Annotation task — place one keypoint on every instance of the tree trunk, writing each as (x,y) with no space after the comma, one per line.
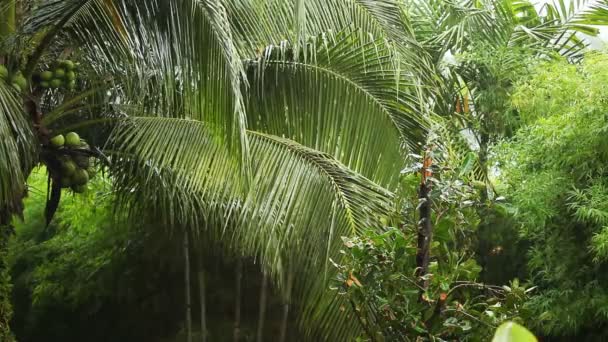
(425,227)
(237,307)
(202,296)
(187,288)
(262,307)
(285,320)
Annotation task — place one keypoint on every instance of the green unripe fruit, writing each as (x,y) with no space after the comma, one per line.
(56,83)
(72,139)
(20,80)
(72,85)
(70,75)
(384,221)
(3,72)
(79,189)
(58,140)
(80,177)
(68,167)
(45,84)
(68,65)
(46,75)
(59,73)
(16,87)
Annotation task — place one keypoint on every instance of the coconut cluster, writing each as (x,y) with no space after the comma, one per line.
(62,75)
(16,79)
(75,167)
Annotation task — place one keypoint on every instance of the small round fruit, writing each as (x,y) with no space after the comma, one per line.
(46,75)
(20,80)
(79,188)
(56,83)
(80,177)
(70,75)
(16,87)
(68,167)
(58,140)
(72,139)
(72,85)
(59,73)
(45,84)
(3,72)
(68,65)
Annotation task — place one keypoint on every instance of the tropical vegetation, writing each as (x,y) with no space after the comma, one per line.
(389,170)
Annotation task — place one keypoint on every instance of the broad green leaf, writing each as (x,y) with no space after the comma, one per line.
(513,332)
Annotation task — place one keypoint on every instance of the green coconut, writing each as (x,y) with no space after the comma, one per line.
(72,139)
(68,167)
(79,189)
(56,83)
(20,80)
(59,73)
(72,85)
(80,177)
(70,75)
(46,75)
(58,140)
(68,65)
(3,72)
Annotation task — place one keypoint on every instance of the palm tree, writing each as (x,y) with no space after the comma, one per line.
(277,126)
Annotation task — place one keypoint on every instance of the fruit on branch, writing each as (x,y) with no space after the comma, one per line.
(72,139)
(58,140)
(80,177)
(68,167)
(70,75)
(56,83)
(59,73)
(68,65)
(46,75)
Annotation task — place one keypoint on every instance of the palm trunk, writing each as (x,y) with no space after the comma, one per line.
(262,312)
(187,288)
(237,307)
(285,320)
(202,296)
(425,227)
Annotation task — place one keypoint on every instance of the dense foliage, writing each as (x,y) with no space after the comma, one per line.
(368,165)
(553,172)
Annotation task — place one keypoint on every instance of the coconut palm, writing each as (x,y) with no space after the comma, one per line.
(276,126)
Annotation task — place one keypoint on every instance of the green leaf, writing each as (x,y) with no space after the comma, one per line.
(513,332)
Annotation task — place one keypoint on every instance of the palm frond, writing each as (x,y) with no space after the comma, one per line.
(300,201)
(357,104)
(17,150)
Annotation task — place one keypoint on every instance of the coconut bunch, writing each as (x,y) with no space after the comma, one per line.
(62,75)
(16,79)
(71,165)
